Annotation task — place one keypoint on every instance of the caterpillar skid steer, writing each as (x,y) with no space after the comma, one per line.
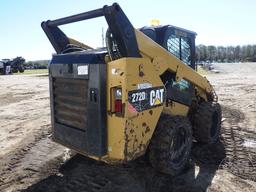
(138,95)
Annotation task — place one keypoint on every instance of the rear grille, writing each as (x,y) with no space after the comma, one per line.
(70,102)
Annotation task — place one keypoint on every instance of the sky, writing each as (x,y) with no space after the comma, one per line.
(217,22)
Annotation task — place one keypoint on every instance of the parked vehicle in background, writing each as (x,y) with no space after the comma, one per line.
(9,66)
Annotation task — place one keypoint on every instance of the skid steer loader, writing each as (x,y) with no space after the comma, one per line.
(138,95)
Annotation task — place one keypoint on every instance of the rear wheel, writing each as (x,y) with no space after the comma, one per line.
(207,123)
(170,146)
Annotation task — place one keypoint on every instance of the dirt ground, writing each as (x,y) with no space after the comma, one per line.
(30,161)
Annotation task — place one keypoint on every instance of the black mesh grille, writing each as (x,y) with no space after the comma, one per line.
(70,102)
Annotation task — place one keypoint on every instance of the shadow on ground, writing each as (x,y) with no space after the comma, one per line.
(83,174)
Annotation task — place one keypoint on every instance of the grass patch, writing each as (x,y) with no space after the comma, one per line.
(33,71)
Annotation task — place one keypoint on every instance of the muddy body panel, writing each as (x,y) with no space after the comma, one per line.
(143,98)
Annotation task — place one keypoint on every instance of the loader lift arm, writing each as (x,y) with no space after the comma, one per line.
(118,23)
(163,60)
(131,43)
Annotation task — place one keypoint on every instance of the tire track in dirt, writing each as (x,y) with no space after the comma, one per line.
(83,174)
(29,159)
(30,173)
(230,153)
(240,160)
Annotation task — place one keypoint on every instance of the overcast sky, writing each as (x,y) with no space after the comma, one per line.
(217,22)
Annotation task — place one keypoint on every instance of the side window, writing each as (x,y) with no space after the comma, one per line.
(180,48)
(173,45)
(185,51)
(182,85)
(177,91)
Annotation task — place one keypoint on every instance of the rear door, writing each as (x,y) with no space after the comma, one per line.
(78,103)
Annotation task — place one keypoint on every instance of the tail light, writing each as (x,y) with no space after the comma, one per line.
(117,106)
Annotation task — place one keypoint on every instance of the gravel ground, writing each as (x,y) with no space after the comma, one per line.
(30,161)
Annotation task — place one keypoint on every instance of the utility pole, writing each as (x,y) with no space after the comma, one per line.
(102,36)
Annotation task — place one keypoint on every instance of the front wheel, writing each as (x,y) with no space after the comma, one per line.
(207,122)
(170,147)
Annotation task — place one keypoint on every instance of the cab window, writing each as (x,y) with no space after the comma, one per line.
(180,48)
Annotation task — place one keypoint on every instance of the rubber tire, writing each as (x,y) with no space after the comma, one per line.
(161,149)
(21,70)
(14,70)
(207,123)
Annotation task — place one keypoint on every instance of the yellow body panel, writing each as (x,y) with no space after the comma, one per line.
(129,135)
(176,109)
(75,42)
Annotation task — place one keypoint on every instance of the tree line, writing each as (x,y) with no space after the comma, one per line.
(246,53)
(39,64)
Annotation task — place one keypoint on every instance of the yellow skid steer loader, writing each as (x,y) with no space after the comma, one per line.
(138,94)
